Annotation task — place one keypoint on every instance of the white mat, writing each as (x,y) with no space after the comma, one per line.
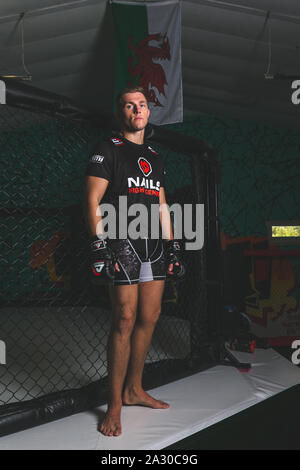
(196,402)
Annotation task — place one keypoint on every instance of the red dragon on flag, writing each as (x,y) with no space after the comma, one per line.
(150,74)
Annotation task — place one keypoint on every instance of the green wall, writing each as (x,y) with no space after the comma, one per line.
(260,182)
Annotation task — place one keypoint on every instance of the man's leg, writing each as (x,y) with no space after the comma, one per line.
(124,301)
(149,307)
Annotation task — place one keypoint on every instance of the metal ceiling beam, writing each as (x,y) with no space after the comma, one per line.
(245,9)
(212,3)
(50,9)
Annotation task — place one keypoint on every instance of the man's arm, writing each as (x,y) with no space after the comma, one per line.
(165,222)
(94,191)
(164,216)
(95,188)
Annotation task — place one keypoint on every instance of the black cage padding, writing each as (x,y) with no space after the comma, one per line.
(206,264)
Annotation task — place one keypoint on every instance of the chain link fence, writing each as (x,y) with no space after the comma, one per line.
(54,323)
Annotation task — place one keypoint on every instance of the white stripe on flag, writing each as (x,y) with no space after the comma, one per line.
(165,18)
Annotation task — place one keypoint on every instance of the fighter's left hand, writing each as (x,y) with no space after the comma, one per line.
(170,268)
(176,266)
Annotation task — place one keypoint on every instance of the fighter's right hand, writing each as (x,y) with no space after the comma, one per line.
(102,262)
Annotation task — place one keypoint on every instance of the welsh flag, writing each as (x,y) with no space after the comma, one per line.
(148,54)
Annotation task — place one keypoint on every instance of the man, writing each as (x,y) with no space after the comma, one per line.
(128,166)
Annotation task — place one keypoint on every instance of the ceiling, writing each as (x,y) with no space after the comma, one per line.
(227,47)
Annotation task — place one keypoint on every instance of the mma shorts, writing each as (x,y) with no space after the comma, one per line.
(139,260)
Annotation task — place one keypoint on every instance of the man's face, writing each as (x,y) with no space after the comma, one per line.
(135,112)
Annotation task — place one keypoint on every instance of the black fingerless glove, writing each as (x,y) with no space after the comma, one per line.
(102,262)
(174,254)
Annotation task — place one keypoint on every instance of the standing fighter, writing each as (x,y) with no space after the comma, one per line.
(136,268)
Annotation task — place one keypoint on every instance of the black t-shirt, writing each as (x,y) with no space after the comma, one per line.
(135,171)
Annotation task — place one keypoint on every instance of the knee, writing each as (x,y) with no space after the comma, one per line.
(125,319)
(149,318)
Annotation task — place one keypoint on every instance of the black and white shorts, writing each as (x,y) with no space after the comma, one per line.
(139,260)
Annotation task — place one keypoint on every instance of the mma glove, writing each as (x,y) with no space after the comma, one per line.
(102,261)
(174,254)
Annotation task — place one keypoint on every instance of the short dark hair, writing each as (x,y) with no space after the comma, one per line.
(120,101)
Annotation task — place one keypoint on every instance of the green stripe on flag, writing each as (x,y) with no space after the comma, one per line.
(129,20)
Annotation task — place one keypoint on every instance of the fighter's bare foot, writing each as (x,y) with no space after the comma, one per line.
(142,398)
(111,425)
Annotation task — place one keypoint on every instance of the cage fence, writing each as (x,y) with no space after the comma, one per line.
(54,322)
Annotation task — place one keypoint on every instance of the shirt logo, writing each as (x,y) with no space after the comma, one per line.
(97,158)
(117,141)
(152,150)
(144,166)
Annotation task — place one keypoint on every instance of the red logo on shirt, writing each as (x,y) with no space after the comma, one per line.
(145,166)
